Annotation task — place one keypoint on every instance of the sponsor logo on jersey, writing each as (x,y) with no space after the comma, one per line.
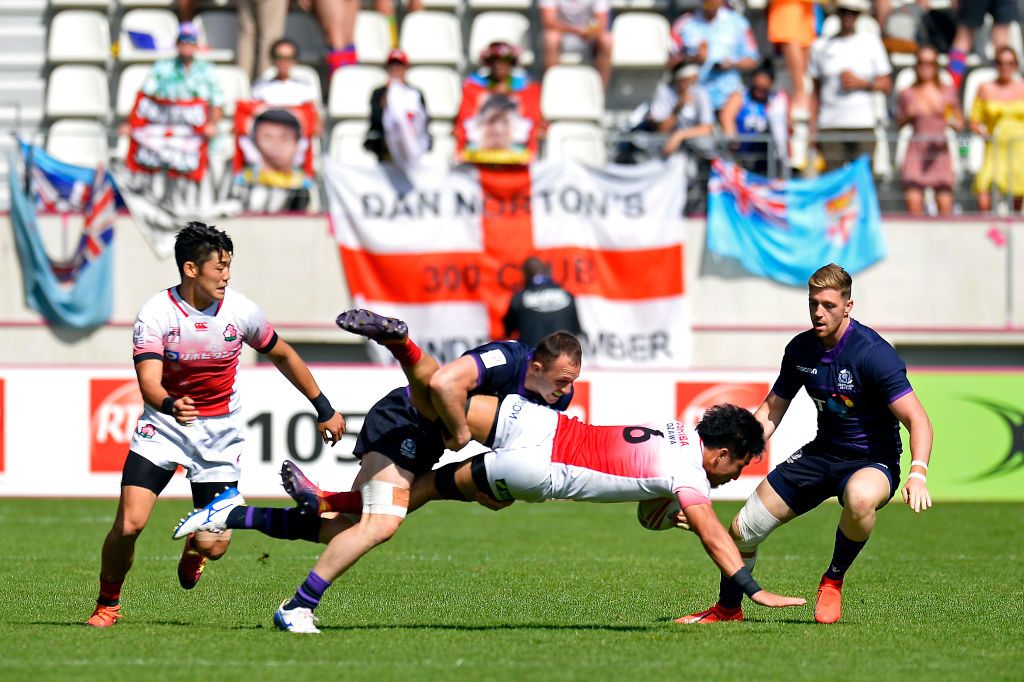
(139,336)
(174,335)
(546,300)
(171,355)
(839,404)
(517,407)
(807,370)
(694,398)
(202,326)
(230,333)
(501,490)
(493,358)
(408,448)
(147,431)
(845,380)
(114,409)
(795,456)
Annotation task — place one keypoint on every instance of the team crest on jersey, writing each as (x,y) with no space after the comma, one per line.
(230,333)
(174,335)
(408,448)
(147,431)
(845,380)
(202,326)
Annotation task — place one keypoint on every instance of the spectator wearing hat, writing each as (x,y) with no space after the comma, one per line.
(720,42)
(398,116)
(186,76)
(848,69)
(578,26)
(500,74)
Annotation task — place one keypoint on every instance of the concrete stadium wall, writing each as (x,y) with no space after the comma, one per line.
(955,282)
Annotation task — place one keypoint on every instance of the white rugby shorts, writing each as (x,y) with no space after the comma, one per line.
(209,449)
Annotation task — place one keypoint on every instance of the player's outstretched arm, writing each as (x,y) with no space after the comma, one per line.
(911,414)
(330,423)
(770,413)
(449,388)
(722,550)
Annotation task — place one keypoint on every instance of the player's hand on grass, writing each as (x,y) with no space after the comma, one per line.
(184,411)
(682,521)
(332,429)
(492,504)
(766,598)
(915,493)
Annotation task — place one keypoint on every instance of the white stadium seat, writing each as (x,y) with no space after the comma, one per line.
(78,4)
(346,145)
(79,36)
(218,33)
(147,3)
(77,90)
(572,93)
(351,87)
(80,143)
(160,23)
(432,38)
(510,27)
(481,5)
(234,83)
(446,5)
(373,37)
(582,142)
(442,151)
(441,88)
(640,40)
(128,85)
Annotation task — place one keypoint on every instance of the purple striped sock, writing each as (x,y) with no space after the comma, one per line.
(310,592)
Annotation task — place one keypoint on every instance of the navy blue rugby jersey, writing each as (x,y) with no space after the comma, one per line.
(502,369)
(852,386)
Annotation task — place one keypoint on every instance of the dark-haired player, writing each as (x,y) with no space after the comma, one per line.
(186,344)
(859,385)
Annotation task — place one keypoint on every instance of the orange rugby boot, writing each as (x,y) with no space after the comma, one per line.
(104,616)
(829,606)
(715,614)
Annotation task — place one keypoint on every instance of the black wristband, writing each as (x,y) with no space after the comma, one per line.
(745,581)
(167,406)
(324,411)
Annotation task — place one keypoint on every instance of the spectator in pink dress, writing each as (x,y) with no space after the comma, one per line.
(928,106)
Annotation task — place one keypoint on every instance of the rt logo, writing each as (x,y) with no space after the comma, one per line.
(114,409)
(1014,458)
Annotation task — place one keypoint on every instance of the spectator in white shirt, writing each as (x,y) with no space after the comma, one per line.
(848,69)
(286,88)
(577,26)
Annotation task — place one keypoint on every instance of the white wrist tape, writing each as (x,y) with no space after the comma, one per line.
(919,463)
(915,474)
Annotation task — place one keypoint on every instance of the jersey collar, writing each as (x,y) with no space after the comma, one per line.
(831,353)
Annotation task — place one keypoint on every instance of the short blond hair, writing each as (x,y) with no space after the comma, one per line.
(832,276)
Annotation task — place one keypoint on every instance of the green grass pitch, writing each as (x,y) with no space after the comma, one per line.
(535,592)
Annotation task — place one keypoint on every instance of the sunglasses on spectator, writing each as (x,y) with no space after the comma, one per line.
(284,57)
(1006,62)
(926,62)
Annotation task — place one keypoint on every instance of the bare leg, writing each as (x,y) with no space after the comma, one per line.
(603,57)
(944,201)
(985,201)
(552,48)
(133,511)
(914,200)
(796,63)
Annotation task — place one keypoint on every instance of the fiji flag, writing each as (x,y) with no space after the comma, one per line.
(58,186)
(78,292)
(785,230)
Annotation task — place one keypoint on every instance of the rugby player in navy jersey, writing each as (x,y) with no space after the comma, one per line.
(859,386)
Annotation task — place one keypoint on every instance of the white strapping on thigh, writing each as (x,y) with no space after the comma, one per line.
(379,498)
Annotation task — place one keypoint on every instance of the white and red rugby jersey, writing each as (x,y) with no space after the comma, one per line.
(626,463)
(200,348)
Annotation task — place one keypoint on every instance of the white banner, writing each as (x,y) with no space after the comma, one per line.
(82,455)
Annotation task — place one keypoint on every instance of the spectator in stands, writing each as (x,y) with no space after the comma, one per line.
(260,24)
(338,20)
(577,26)
(499,75)
(720,41)
(848,69)
(684,112)
(928,107)
(791,27)
(998,115)
(285,88)
(970,17)
(398,117)
(186,77)
(541,307)
(764,113)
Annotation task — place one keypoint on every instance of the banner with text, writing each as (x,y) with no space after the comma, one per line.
(443,250)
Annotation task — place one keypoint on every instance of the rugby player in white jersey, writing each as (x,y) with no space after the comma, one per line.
(186,345)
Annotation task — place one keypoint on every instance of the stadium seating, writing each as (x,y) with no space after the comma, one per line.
(430,37)
(510,27)
(234,83)
(640,48)
(441,88)
(302,28)
(82,143)
(128,85)
(347,143)
(572,93)
(79,36)
(865,24)
(482,5)
(80,4)
(159,23)
(76,90)
(351,87)
(581,141)
(220,31)
(373,37)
